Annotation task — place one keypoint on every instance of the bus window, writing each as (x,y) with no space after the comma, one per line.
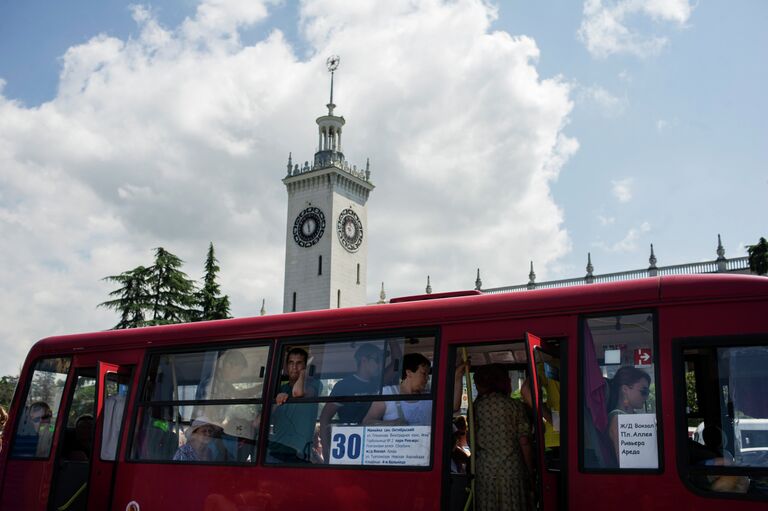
(34,432)
(727,418)
(335,398)
(202,406)
(619,393)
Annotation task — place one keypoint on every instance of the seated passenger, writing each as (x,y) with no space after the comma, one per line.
(292,425)
(460,453)
(35,432)
(364,382)
(200,435)
(80,449)
(630,388)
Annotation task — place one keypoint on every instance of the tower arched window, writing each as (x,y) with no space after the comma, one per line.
(358,273)
(293,309)
(338,298)
(319,265)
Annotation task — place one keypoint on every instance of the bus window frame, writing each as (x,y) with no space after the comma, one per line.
(580,401)
(679,344)
(320,338)
(25,386)
(195,347)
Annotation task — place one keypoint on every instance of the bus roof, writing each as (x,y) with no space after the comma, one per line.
(583,299)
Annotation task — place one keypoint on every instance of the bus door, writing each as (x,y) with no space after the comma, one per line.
(82,477)
(115,382)
(544,370)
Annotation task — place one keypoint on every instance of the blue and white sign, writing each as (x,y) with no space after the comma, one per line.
(380,445)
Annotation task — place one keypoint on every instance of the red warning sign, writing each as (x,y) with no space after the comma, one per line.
(643,357)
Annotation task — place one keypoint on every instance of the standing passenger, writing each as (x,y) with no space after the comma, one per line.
(293,424)
(503,447)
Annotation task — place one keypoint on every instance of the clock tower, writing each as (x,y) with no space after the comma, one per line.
(326,247)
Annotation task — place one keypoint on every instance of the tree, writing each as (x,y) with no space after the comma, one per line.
(132,298)
(172,292)
(7,388)
(758,257)
(210,304)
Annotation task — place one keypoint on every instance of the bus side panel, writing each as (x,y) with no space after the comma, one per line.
(665,490)
(30,482)
(264,489)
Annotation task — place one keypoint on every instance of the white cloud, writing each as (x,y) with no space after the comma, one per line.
(180,135)
(606,103)
(629,243)
(622,189)
(606,220)
(608,27)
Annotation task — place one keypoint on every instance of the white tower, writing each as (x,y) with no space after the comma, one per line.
(326,246)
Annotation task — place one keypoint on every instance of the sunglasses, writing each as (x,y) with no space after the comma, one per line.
(47,417)
(644,392)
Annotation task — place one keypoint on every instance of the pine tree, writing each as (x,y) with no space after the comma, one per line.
(172,292)
(210,304)
(132,298)
(758,257)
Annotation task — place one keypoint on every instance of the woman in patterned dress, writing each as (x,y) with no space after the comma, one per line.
(503,444)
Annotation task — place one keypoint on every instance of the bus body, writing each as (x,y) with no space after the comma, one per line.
(118,406)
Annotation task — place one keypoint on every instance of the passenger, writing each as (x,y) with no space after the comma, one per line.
(629,390)
(201,434)
(366,381)
(460,453)
(720,457)
(503,454)
(35,434)
(229,368)
(293,424)
(414,381)
(81,448)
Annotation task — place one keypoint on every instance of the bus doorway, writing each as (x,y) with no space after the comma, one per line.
(533,439)
(84,465)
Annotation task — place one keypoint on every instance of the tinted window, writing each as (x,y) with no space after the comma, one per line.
(202,406)
(343,403)
(34,432)
(619,393)
(726,417)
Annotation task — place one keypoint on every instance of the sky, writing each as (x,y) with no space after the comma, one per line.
(499,133)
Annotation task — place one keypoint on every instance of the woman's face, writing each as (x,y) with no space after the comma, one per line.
(637,393)
(418,379)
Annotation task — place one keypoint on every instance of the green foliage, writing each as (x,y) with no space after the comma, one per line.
(691,398)
(210,304)
(132,299)
(7,388)
(173,293)
(162,294)
(758,257)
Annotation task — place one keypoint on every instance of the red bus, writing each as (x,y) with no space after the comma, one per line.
(646,394)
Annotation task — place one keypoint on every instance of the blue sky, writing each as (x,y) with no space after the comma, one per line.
(499,133)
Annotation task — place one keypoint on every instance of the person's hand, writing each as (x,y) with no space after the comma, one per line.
(462,368)
(281,398)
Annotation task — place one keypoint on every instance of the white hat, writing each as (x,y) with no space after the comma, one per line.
(201,421)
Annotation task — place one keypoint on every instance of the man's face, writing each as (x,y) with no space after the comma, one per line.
(232,372)
(370,366)
(40,417)
(294,366)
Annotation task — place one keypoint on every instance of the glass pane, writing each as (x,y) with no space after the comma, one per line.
(729,422)
(619,393)
(356,373)
(115,393)
(215,374)
(77,440)
(35,430)
(548,374)
(163,433)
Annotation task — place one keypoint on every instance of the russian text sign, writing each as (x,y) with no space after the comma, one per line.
(638,445)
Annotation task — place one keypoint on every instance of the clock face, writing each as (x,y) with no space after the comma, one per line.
(350,230)
(309,227)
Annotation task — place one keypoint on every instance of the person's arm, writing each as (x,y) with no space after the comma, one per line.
(613,432)
(375,413)
(457,386)
(527,451)
(391,374)
(329,410)
(299,389)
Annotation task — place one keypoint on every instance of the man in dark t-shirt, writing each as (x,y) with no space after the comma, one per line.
(366,381)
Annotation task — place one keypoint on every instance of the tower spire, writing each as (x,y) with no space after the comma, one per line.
(333,64)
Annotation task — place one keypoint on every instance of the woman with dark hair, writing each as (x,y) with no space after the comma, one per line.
(502,435)
(414,381)
(629,389)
